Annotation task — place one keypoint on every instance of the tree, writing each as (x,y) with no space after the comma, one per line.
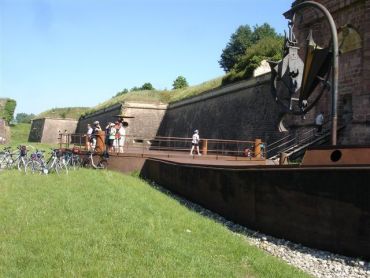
(241,40)
(236,47)
(180,82)
(24,118)
(8,112)
(134,89)
(267,48)
(147,86)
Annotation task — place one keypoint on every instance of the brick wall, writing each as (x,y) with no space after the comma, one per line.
(354,65)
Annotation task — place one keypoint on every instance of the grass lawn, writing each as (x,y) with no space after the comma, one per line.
(105,224)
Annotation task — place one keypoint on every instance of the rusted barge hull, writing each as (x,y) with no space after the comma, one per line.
(322,207)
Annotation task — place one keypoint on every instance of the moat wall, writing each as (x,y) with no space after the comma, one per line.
(320,207)
(241,111)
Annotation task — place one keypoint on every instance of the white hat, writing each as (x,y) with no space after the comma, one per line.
(196,131)
(96,122)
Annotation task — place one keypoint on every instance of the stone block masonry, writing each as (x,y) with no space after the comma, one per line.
(241,111)
(47,130)
(143,118)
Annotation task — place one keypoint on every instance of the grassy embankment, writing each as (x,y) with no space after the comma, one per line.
(164,96)
(105,224)
(67,113)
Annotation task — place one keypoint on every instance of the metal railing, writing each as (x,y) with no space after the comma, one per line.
(292,142)
(215,147)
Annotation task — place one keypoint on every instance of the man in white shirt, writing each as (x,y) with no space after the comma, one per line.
(121,141)
(195,142)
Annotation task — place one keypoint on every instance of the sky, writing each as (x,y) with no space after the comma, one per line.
(68,53)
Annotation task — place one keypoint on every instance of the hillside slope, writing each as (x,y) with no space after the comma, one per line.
(64,113)
(165,96)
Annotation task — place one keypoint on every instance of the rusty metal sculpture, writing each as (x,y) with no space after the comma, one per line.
(296,83)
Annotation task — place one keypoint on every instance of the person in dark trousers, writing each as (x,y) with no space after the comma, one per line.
(195,142)
(94,134)
(319,121)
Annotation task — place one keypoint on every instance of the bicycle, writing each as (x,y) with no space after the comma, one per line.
(36,163)
(56,162)
(7,160)
(102,162)
(72,159)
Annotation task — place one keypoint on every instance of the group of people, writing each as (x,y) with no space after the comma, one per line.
(114,136)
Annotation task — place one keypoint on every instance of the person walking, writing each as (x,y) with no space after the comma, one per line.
(195,142)
(319,121)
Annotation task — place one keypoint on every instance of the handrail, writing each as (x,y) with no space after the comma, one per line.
(162,143)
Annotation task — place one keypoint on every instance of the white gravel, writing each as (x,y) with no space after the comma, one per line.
(312,261)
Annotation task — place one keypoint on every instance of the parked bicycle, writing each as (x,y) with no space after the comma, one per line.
(56,162)
(36,163)
(73,159)
(8,161)
(95,160)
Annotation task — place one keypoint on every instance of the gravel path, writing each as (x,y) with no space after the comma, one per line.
(315,262)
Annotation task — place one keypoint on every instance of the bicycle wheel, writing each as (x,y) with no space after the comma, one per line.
(33,167)
(22,163)
(61,167)
(76,162)
(2,161)
(102,164)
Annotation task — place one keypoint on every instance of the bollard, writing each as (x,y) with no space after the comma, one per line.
(257,148)
(204,147)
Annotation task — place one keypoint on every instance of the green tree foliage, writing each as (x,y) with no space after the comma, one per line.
(24,118)
(180,82)
(268,48)
(8,112)
(134,89)
(236,47)
(241,40)
(147,86)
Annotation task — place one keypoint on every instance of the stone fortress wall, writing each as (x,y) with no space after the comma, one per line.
(242,111)
(143,119)
(246,110)
(47,130)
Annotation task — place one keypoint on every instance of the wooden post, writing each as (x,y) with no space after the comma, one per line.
(257,148)
(87,142)
(204,147)
(100,142)
(283,158)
